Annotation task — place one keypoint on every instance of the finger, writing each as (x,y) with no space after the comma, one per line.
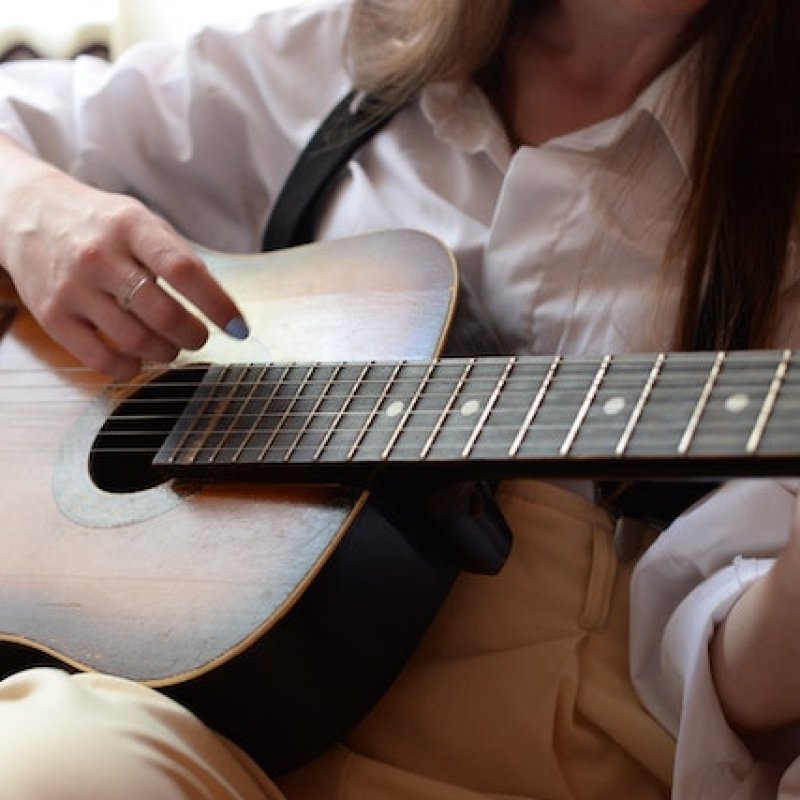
(129,334)
(89,347)
(162,314)
(170,257)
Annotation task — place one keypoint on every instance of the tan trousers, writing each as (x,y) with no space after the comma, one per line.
(519,690)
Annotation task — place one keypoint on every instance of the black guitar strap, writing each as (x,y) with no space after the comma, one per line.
(350,125)
(347,128)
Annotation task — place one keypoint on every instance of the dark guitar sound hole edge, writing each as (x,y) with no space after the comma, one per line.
(121,456)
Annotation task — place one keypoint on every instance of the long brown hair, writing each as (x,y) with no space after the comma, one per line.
(735,229)
(740,214)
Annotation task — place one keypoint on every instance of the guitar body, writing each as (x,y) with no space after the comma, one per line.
(278,613)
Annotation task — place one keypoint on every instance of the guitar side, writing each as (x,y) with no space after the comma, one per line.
(178,585)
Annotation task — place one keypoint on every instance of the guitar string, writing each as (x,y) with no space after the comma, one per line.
(677,379)
(563,389)
(667,431)
(565,386)
(678,361)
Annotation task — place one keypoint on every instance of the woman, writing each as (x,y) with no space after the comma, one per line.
(613,176)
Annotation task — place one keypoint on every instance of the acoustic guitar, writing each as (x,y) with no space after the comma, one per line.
(207,528)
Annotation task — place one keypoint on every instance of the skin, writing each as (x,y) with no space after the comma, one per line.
(591,58)
(70,249)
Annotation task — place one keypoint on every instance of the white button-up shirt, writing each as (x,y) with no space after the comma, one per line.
(563,243)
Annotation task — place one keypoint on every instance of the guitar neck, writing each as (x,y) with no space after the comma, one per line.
(668,415)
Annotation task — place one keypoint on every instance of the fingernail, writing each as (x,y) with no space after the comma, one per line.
(237,328)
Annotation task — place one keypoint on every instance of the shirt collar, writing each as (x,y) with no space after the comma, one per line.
(461,114)
(669,101)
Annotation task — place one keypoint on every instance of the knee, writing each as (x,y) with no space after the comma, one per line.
(61,738)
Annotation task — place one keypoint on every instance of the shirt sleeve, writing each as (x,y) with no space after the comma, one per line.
(684,585)
(204,131)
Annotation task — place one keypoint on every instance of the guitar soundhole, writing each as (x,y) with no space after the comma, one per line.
(121,457)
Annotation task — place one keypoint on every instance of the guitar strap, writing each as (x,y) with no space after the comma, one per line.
(480,540)
(352,122)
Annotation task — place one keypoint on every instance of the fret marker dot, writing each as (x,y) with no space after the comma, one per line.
(395,409)
(737,403)
(613,406)
(470,408)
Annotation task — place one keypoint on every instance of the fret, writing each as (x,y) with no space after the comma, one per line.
(373,415)
(694,421)
(189,434)
(558,409)
(394,433)
(445,412)
(613,392)
(283,426)
(584,409)
(672,400)
(313,413)
(738,395)
(538,400)
(636,414)
(769,403)
(492,402)
(218,437)
(340,413)
(237,430)
(467,404)
(360,390)
(410,406)
(243,452)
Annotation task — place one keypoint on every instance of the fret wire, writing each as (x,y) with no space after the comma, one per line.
(768,405)
(501,382)
(409,409)
(437,428)
(624,440)
(212,457)
(284,416)
(584,409)
(374,412)
(312,413)
(262,414)
(192,452)
(535,405)
(342,411)
(694,421)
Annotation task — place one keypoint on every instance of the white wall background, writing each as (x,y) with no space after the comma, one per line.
(61,27)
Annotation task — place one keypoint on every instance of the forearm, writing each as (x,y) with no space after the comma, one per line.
(755,652)
(22,175)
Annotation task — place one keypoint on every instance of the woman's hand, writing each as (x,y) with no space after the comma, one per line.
(85,262)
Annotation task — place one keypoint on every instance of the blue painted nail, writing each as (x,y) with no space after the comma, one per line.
(237,328)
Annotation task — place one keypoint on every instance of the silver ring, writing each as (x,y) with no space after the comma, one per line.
(133,283)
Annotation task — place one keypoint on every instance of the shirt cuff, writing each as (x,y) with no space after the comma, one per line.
(711,761)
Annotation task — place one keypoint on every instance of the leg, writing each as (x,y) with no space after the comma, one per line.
(93,736)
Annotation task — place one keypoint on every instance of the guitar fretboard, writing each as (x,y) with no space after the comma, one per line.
(624,416)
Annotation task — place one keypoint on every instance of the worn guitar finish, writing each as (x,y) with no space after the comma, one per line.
(107,566)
